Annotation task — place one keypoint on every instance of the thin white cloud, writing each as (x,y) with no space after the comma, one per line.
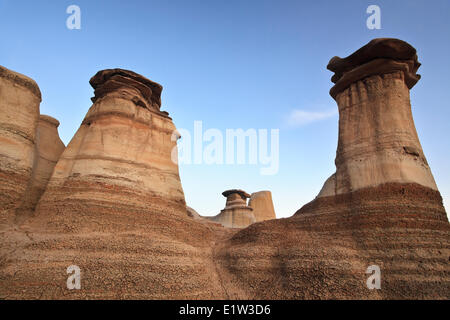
(301,117)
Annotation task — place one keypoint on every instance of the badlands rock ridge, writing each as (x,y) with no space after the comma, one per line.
(111,202)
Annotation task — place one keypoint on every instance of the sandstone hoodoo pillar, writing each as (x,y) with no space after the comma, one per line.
(378,142)
(236,213)
(262,205)
(19,112)
(119,161)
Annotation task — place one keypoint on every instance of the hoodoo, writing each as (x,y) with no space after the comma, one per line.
(19,113)
(119,161)
(381,208)
(262,205)
(115,208)
(236,214)
(378,142)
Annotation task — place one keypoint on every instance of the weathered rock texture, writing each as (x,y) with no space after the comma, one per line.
(262,205)
(378,142)
(236,214)
(120,158)
(381,207)
(114,207)
(48,148)
(19,113)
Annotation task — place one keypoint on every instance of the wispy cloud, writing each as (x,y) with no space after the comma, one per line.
(299,117)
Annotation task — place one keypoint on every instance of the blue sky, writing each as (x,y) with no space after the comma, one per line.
(233,64)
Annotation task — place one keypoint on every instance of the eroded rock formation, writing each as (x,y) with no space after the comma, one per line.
(378,142)
(262,205)
(381,207)
(114,205)
(48,149)
(236,214)
(120,158)
(19,114)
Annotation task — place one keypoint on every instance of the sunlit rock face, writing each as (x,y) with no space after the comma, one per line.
(236,214)
(48,149)
(120,159)
(19,113)
(262,205)
(378,142)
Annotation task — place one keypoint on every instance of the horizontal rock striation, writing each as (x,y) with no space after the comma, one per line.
(324,250)
(19,113)
(114,207)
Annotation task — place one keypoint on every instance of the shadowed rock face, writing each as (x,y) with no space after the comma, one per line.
(120,159)
(19,113)
(378,142)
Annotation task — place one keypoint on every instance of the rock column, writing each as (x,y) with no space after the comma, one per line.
(378,142)
(19,113)
(236,213)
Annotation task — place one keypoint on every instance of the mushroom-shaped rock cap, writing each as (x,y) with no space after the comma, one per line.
(108,80)
(379,56)
(242,193)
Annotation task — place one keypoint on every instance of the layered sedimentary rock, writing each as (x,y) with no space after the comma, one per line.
(134,240)
(19,113)
(120,159)
(262,205)
(48,149)
(236,214)
(381,207)
(378,142)
(114,207)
